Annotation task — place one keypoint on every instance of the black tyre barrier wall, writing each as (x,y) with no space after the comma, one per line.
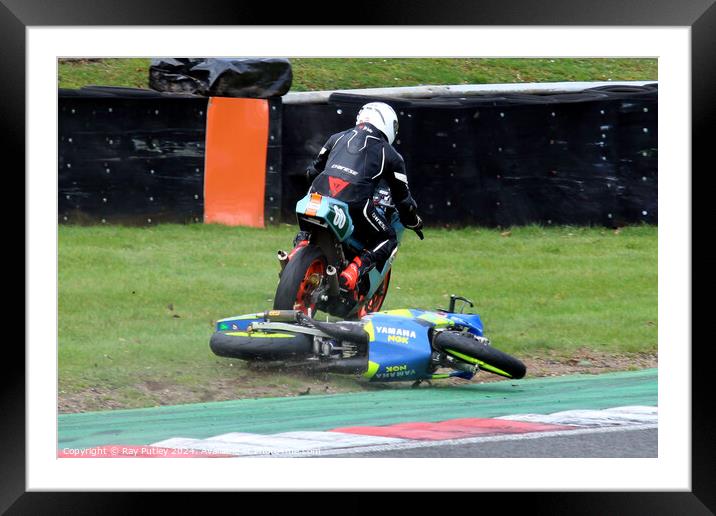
(130,156)
(579,158)
(137,156)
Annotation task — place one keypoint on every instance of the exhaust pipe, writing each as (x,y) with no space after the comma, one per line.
(355,365)
(280,315)
(282,259)
(344,330)
(332,280)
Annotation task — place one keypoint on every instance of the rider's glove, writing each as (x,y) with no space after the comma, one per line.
(417,227)
(311,173)
(408,211)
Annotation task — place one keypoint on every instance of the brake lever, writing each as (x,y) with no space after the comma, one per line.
(454,298)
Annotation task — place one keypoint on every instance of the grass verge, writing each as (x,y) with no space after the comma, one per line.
(137,305)
(341,73)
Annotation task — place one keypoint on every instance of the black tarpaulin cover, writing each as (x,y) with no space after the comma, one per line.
(212,77)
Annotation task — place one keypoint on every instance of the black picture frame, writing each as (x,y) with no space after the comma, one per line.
(699,15)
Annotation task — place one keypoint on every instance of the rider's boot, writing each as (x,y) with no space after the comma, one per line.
(351,275)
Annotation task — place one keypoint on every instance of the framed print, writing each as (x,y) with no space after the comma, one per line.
(34,36)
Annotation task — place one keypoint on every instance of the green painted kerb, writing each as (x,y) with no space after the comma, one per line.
(273,415)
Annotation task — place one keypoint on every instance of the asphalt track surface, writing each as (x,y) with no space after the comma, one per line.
(615,443)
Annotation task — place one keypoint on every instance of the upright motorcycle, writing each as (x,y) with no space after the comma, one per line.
(308,280)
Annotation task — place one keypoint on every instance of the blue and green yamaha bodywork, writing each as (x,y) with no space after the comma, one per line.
(399,341)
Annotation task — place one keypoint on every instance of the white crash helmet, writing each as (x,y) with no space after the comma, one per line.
(382,116)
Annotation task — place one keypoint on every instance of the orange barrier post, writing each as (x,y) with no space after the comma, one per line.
(235,161)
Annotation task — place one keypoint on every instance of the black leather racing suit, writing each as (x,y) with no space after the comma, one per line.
(349,167)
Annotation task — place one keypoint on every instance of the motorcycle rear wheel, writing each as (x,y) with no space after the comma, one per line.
(297,283)
(261,346)
(376,302)
(466,348)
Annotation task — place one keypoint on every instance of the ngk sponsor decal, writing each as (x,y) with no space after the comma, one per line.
(396,371)
(398,335)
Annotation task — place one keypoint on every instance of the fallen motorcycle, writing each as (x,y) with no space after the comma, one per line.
(394,345)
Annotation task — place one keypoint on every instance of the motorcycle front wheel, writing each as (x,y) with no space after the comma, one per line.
(464,347)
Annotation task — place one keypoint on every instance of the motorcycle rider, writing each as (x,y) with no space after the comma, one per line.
(349,167)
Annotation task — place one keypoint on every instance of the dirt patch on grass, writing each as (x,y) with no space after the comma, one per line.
(246,384)
(94,398)
(259,383)
(587,361)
